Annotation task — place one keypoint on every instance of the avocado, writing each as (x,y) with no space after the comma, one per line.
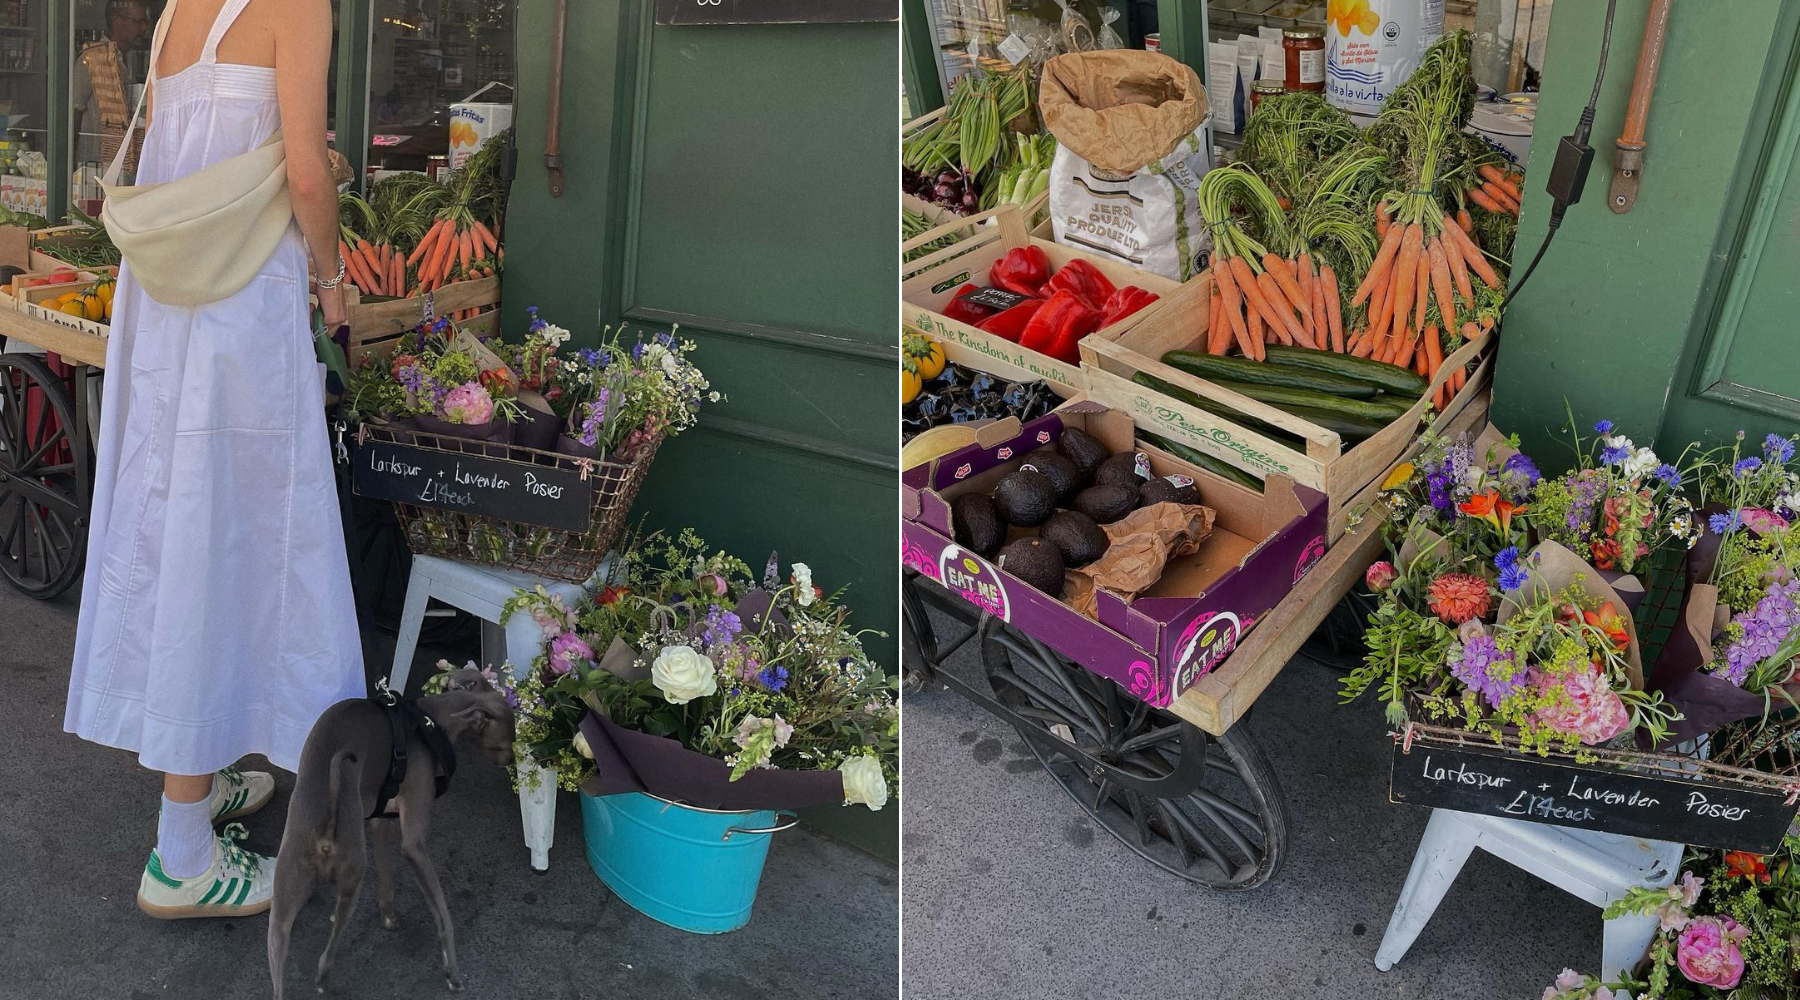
(1025,498)
(1080,539)
(1122,470)
(1082,449)
(977,524)
(1037,562)
(1064,477)
(1106,504)
(1168,489)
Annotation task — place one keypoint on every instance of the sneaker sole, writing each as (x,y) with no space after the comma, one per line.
(246,809)
(208,910)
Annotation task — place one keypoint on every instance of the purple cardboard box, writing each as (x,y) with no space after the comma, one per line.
(1160,644)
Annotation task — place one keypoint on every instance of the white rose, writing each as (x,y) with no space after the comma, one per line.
(554,335)
(581,745)
(671,364)
(682,674)
(864,783)
(803,585)
(1641,463)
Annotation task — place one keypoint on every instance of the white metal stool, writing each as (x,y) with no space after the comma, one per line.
(482,591)
(1597,867)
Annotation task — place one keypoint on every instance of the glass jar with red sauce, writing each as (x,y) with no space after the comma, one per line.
(1305,58)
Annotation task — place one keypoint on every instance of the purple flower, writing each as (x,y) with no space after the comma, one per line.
(1614,456)
(1512,575)
(774,678)
(1669,475)
(637,351)
(568,649)
(1725,524)
(589,356)
(666,339)
(1480,663)
(1440,492)
(1765,628)
(1747,464)
(721,626)
(1521,464)
(1778,449)
(1603,427)
(596,417)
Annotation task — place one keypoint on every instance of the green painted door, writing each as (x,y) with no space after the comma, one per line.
(737,181)
(1674,319)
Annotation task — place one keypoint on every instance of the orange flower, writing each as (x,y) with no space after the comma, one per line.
(1490,508)
(1606,553)
(1747,865)
(611,595)
(1608,620)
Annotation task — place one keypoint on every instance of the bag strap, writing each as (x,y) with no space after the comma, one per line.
(111,177)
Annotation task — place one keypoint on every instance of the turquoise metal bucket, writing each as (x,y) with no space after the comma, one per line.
(693,869)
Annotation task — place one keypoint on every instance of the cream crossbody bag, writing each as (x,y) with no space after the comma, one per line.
(203,237)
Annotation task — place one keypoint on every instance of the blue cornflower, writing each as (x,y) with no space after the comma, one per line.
(1524,466)
(637,351)
(1778,449)
(1725,524)
(1603,427)
(1614,456)
(1507,558)
(666,339)
(1749,464)
(774,678)
(1669,475)
(1513,578)
(589,356)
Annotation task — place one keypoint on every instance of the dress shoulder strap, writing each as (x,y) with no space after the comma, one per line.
(228,16)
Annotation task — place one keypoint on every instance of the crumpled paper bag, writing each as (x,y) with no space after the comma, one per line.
(1120,109)
(1143,542)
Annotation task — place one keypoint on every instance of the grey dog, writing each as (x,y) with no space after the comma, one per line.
(342,768)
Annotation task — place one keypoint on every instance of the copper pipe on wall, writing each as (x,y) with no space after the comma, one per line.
(553,127)
(1628,163)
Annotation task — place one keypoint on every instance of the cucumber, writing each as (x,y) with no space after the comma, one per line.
(1391,378)
(1354,430)
(1379,414)
(1213,368)
(1204,461)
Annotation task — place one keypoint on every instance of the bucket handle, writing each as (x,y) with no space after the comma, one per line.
(793,819)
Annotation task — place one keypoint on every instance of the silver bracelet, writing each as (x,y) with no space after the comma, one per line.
(333,282)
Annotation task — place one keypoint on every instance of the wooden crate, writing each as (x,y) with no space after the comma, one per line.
(1343,474)
(376,325)
(927,284)
(1222,697)
(44,243)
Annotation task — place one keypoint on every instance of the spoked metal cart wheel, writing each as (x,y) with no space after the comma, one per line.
(925,650)
(45,480)
(1206,809)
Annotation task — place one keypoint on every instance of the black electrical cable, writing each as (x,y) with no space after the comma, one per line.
(1573,159)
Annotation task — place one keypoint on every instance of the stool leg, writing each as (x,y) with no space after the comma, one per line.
(537,807)
(412,619)
(1442,851)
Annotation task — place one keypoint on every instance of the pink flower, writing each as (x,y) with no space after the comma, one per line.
(1761,521)
(468,403)
(568,649)
(712,583)
(1380,576)
(1586,706)
(1708,954)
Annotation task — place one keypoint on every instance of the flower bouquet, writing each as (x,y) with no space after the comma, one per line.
(683,678)
(1734,652)
(441,380)
(1485,623)
(1733,933)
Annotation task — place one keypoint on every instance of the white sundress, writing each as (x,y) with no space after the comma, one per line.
(216,614)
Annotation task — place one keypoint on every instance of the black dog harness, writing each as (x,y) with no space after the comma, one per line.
(405,718)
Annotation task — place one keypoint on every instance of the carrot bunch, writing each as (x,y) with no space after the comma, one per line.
(1273,301)
(453,246)
(1499,190)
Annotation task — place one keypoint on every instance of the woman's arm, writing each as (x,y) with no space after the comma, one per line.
(302,61)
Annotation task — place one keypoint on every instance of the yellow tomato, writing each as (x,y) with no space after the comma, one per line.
(909,382)
(924,352)
(75,308)
(91,304)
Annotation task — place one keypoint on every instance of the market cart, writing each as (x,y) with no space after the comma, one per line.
(1184,787)
(46,455)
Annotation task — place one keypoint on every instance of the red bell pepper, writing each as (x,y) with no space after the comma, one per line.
(966,312)
(1085,280)
(1058,327)
(1009,324)
(1124,302)
(1022,271)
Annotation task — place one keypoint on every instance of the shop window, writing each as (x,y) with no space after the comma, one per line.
(440,80)
(24,103)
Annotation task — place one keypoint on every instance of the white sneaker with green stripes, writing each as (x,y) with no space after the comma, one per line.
(238,884)
(237,794)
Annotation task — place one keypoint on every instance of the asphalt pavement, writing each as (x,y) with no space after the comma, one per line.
(77,821)
(1012,892)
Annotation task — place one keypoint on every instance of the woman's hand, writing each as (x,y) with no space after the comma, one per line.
(331,303)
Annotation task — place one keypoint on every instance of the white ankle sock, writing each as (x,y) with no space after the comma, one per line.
(184,837)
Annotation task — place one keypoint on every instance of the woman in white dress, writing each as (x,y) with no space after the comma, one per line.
(216,612)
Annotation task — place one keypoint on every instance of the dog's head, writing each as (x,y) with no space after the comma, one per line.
(481,717)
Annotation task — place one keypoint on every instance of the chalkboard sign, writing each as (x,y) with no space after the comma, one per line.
(1704,813)
(473,484)
(775,11)
(994,298)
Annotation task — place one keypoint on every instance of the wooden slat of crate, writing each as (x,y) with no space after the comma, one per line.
(1222,697)
(73,345)
(375,325)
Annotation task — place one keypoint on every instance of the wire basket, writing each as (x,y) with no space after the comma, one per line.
(555,553)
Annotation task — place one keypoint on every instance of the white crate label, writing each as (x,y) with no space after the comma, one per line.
(1214,440)
(949,283)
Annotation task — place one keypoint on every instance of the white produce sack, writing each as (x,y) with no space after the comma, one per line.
(1130,129)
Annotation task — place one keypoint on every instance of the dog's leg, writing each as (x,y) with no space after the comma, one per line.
(348,889)
(293,885)
(387,844)
(412,843)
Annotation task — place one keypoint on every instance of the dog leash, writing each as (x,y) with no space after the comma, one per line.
(405,718)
